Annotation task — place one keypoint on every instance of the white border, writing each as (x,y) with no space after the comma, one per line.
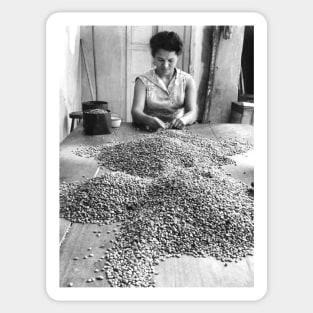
(54,24)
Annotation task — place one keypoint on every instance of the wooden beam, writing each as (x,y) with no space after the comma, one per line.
(87,70)
(215,41)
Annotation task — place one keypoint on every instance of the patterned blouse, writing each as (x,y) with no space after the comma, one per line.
(164,103)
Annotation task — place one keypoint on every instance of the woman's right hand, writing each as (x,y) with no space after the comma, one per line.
(155,123)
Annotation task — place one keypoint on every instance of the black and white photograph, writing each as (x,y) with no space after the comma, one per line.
(152,156)
(155,156)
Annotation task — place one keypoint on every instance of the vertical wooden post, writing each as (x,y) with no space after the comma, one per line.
(191,69)
(128,73)
(215,41)
(94,59)
(87,70)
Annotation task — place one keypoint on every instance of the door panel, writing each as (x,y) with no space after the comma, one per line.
(141,34)
(139,58)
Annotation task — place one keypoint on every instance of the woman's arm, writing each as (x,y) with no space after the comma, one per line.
(191,110)
(138,115)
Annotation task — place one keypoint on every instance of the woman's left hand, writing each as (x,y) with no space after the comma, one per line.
(177,123)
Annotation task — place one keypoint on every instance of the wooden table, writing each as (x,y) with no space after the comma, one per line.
(76,239)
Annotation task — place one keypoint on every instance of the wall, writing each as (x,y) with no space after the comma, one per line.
(70,78)
(109,79)
(227,70)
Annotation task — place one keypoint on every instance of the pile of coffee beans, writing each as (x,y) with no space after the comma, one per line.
(173,198)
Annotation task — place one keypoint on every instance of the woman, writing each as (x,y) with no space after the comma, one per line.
(165,97)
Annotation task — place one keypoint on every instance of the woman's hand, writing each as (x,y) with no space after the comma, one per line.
(177,123)
(155,123)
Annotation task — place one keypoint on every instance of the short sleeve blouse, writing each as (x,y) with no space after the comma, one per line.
(164,103)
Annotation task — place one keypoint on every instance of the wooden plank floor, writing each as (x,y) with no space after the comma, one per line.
(63,229)
(84,240)
(188,271)
(244,168)
(75,168)
(173,272)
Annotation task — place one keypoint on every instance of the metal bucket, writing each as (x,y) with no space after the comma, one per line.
(96,118)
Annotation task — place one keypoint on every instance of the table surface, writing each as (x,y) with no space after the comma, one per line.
(187,271)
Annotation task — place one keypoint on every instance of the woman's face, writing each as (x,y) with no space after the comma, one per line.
(165,61)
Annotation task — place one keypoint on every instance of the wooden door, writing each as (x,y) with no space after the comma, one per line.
(138,58)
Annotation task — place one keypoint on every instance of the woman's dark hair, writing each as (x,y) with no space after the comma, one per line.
(168,41)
